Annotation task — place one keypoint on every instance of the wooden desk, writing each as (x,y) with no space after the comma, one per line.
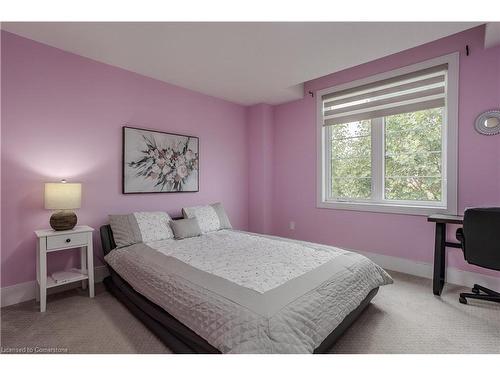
(440,246)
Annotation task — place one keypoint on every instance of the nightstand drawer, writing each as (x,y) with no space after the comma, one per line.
(67,240)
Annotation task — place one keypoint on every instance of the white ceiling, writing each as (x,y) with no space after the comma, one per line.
(492,35)
(246,63)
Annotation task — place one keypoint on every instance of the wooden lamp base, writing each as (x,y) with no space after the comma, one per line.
(63,220)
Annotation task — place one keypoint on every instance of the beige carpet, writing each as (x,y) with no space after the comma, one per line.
(403,318)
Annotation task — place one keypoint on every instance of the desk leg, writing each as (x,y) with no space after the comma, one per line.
(439,259)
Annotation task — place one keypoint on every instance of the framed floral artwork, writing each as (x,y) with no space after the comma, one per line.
(159,162)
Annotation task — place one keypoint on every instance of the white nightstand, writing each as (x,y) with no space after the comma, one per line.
(50,240)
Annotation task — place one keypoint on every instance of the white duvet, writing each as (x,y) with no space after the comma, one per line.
(247,293)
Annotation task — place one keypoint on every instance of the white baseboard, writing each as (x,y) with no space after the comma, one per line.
(13,294)
(10,295)
(453,275)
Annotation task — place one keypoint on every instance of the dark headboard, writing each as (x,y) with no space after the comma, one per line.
(107,239)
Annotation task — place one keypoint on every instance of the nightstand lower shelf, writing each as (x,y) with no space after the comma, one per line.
(77,275)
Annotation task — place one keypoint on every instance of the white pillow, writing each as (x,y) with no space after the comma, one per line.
(210,218)
(154,226)
(207,217)
(223,218)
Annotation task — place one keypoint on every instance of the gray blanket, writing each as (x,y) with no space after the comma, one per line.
(247,293)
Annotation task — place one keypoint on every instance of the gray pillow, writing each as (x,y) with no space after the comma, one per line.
(125,230)
(185,228)
(221,213)
(140,227)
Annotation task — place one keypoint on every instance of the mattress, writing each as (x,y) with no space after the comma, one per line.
(249,293)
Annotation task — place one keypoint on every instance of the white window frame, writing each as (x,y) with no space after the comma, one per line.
(449,149)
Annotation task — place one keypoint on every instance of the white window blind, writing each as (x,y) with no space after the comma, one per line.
(424,89)
(388,143)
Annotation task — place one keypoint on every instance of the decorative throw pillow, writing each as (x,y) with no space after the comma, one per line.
(154,226)
(208,220)
(185,228)
(221,213)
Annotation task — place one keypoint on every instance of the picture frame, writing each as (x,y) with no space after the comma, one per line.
(155,161)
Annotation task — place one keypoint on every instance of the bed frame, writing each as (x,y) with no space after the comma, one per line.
(175,335)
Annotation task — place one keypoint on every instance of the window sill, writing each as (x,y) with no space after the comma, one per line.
(386,208)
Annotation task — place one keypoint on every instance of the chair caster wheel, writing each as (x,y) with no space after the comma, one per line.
(475,290)
(462,300)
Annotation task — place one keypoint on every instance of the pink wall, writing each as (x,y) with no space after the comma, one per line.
(260,174)
(411,237)
(61,118)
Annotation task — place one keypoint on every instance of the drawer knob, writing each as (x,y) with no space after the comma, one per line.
(68,240)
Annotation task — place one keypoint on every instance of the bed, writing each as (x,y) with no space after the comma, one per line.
(237,292)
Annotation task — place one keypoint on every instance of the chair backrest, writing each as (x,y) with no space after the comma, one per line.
(482,237)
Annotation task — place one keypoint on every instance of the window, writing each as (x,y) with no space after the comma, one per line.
(388,143)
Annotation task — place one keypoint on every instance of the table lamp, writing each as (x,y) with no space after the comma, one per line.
(63,197)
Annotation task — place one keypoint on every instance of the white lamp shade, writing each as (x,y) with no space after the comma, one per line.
(62,196)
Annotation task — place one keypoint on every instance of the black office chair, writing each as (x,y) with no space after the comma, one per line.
(480,239)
